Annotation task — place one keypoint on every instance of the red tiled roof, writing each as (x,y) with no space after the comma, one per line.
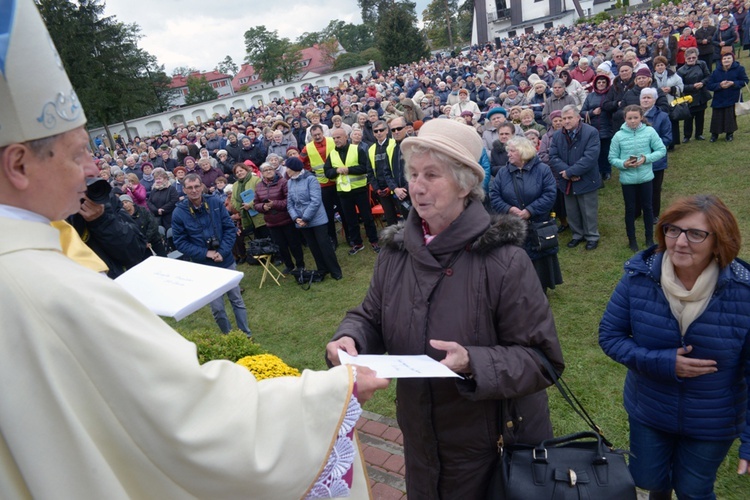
(246,71)
(211,76)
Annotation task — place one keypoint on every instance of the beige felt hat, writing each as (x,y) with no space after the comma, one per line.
(36,97)
(451,138)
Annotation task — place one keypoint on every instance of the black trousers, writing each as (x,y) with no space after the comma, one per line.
(351,201)
(642,192)
(391,209)
(699,116)
(331,203)
(287,238)
(321,248)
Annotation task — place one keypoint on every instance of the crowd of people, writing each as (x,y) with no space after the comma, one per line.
(464,155)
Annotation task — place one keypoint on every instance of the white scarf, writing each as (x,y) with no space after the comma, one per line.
(687,305)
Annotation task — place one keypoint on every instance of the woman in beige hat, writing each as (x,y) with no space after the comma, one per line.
(453,283)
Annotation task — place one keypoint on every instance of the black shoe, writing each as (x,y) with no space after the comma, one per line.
(713,138)
(286,271)
(337,277)
(685,140)
(649,243)
(633,244)
(591,245)
(730,137)
(574,243)
(562,228)
(606,177)
(700,138)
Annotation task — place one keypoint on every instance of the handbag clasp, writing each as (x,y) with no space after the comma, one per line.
(572,478)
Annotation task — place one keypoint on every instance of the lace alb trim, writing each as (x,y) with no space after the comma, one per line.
(336,478)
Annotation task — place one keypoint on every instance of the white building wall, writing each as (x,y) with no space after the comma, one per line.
(148,126)
(533,10)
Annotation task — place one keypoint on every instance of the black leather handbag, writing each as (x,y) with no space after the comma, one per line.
(577,466)
(542,234)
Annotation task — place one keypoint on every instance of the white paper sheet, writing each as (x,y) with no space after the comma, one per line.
(176,288)
(420,366)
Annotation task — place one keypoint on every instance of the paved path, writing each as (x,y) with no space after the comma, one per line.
(382,447)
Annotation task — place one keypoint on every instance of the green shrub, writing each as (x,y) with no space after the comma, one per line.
(346,61)
(373,54)
(595,19)
(232,346)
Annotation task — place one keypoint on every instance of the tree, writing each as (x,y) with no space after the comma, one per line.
(228,66)
(199,90)
(353,37)
(397,35)
(185,71)
(440,18)
(465,20)
(373,10)
(349,60)
(113,78)
(272,57)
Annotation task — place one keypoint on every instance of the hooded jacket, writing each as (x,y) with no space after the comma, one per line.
(473,285)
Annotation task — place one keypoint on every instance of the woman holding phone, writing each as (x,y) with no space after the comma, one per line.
(633,150)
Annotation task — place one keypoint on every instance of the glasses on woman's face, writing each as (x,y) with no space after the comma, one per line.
(692,235)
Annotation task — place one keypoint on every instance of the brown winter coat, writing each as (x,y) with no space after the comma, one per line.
(476,286)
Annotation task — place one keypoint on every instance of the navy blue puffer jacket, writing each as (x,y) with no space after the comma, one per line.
(639,331)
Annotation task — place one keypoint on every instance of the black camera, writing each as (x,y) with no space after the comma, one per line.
(97,190)
(213,243)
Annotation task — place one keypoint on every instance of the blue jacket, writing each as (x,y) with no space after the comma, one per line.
(193,227)
(628,142)
(304,200)
(536,185)
(639,331)
(724,98)
(659,120)
(578,157)
(538,191)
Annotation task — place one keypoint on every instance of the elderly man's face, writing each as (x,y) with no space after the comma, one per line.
(570,120)
(339,138)
(73,163)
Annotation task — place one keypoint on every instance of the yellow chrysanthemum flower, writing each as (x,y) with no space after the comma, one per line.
(264,366)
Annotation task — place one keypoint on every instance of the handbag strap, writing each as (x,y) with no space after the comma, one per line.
(739,99)
(569,397)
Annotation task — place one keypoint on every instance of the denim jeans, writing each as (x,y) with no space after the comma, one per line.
(238,306)
(661,461)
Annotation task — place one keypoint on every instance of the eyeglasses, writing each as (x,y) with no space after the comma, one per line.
(267,169)
(377,131)
(692,235)
(397,129)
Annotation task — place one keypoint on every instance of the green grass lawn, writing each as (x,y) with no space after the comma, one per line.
(296,324)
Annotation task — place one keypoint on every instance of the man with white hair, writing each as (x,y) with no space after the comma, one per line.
(574,158)
(106,400)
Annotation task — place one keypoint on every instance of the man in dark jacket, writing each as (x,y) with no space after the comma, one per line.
(347,165)
(110,232)
(574,157)
(203,231)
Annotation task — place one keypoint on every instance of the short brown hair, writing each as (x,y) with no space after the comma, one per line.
(722,221)
(660,59)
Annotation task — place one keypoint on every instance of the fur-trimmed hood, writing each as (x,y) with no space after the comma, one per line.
(503,230)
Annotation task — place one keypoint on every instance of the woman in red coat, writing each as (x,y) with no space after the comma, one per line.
(686,41)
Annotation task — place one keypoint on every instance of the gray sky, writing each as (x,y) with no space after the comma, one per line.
(200,33)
